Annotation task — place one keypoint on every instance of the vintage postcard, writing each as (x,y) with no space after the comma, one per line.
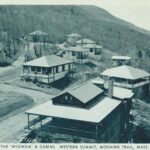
(75,75)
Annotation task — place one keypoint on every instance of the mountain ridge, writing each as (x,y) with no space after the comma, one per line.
(92,22)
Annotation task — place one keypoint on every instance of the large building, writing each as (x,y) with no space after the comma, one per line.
(88,111)
(47,69)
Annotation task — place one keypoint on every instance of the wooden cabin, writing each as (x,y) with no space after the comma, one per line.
(47,69)
(129,77)
(87,111)
(95,51)
(72,38)
(76,54)
(82,42)
(120,60)
(37,36)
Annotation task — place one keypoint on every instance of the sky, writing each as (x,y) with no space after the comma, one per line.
(134,11)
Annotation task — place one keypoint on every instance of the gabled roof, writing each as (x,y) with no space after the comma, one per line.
(74,35)
(121,57)
(85,41)
(125,72)
(91,46)
(38,32)
(95,114)
(48,61)
(84,92)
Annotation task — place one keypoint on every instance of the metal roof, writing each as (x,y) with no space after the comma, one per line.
(125,72)
(48,61)
(85,92)
(74,35)
(95,114)
(85,41)
(74,49)
(97,80)
(91,46)
(38,32)
(121,57)
(122,93)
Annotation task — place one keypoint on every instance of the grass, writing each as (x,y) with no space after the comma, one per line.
(10,101)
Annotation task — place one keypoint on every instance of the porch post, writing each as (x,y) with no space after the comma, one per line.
(28,120)
(96,134)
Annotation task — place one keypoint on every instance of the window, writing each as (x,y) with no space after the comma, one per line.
(73,53)
(44,70)
(63,67)
(49,70)
(66,97)
(38,69)
(33,69)
(56,69)
(91,49)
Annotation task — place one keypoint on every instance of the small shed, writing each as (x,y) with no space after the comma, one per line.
(121,60)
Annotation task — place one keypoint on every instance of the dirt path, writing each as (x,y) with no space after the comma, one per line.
(12,128)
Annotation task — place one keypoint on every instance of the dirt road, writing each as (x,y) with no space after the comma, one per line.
(12,127)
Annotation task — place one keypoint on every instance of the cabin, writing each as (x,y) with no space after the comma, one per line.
(95,51)
(37,42)
(82,42)
(129,77)
(37,36)
(72,38)
(87,111)
(47,69)
(76,54)
(120,60)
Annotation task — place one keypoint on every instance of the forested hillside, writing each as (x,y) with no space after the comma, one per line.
(90,21)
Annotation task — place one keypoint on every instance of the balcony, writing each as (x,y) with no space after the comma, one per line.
(135,85)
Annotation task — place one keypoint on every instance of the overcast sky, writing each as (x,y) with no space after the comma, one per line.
(134,11)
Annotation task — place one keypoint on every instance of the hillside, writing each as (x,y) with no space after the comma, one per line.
(90,21)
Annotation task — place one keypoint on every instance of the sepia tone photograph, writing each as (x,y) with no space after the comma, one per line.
(73,73)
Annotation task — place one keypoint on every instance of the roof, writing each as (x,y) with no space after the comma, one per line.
(74,49)
(122,93)
(85,41)
(74,35)
(95,114)
(48,61)
(125,72)
(38,32)
(85,92)
(91,46)
(97,80)
(121,57)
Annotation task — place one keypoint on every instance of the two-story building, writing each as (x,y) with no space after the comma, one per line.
(129,77)
(47,69)
(88,111)
(37,36)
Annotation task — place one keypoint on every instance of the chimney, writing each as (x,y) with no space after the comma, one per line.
(110,87)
